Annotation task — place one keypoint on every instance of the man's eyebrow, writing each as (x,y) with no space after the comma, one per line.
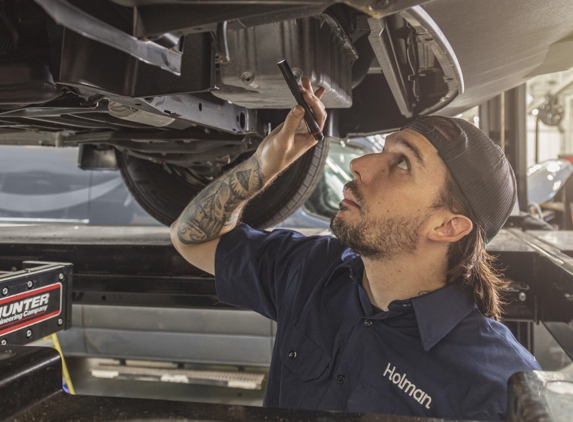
(415,150)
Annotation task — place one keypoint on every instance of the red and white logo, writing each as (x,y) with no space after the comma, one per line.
(28,308)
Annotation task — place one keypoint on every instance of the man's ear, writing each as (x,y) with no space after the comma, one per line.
(452,229)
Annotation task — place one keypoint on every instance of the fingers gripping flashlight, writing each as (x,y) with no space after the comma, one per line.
(297,93)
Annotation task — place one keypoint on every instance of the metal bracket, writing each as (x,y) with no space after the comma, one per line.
(383,48)
(78,21)
(223,116)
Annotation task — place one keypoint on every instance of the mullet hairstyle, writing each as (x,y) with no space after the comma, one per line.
(467,258)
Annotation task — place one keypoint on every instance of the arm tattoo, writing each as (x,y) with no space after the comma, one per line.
(219,204)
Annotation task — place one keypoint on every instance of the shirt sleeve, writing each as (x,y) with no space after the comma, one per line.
(254,269)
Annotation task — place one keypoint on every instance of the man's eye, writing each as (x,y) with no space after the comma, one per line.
(403,164)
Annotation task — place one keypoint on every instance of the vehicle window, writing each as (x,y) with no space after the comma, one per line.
(328,194)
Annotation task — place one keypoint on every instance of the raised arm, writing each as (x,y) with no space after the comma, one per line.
(216,210)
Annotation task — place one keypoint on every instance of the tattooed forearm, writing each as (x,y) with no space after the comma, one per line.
(219,204)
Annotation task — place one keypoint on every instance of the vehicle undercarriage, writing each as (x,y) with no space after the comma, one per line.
(174,93)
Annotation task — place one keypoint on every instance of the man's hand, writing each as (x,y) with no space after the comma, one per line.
(217,208)
(288,141)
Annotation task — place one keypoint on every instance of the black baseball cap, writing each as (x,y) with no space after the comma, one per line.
(480,169)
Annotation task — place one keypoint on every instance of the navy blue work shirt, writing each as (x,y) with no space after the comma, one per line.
(434,355)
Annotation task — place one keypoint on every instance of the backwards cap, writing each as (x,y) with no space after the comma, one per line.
(480,169)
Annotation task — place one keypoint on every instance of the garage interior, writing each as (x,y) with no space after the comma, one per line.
(114,105)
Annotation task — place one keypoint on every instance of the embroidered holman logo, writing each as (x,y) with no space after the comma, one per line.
(407,386)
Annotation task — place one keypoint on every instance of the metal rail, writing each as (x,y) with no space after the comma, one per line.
(78,21)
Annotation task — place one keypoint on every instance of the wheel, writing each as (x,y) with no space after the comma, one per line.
(164,191)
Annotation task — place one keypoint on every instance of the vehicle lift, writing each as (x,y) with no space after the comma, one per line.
(44,269)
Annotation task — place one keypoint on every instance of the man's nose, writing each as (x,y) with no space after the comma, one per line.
(363,167)
(354,168)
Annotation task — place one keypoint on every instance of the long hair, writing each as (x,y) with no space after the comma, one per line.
(467,258)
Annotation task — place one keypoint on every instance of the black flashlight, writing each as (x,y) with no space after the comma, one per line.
(297,93)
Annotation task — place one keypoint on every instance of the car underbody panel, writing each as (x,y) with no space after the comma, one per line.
(317,47)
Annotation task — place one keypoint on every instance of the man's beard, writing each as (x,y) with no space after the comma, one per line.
(377,238)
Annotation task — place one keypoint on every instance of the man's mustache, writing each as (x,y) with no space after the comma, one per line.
(352,186)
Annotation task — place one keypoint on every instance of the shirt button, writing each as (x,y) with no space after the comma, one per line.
(292,354)
(367,322)
(340,379)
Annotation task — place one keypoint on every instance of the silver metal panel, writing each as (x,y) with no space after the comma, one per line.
(72,341)
(562,239)
(180,335)
(86,235)
(505,241)
(199,321)
(315,48)
(77,315)
(97,235)
(233,379)
(178,347)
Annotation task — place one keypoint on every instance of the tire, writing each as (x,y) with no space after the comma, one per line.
(165,194)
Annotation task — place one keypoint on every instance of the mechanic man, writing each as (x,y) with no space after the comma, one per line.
(396,315)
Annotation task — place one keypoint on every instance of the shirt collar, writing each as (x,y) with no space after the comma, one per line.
(351,261)
(438,312)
